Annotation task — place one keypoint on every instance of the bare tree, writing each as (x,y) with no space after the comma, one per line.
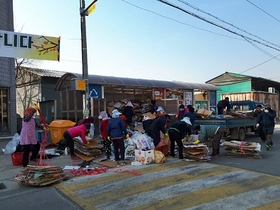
(27,84)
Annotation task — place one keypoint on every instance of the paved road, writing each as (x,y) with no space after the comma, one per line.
(176,185)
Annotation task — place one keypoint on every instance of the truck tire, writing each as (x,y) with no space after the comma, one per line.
(241,134)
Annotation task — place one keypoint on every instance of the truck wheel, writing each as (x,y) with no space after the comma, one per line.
(241,134)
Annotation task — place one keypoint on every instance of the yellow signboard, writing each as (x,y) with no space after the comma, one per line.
(80,84)
(19,45)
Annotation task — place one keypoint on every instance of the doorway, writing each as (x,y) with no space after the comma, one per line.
(4,125)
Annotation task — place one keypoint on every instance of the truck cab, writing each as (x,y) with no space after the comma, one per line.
(246,105)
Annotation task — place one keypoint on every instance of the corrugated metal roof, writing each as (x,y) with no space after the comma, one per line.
(123,81)
(45,72)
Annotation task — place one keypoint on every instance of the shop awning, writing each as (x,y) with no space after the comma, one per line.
(123,81)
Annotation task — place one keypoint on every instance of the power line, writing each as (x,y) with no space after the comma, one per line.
(264,11)
(212,23)
(177,21)
(196,8)
(261,63)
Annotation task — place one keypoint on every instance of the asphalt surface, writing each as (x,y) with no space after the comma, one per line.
(81,192)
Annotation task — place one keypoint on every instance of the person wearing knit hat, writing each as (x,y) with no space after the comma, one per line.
(178,131)
(267,121)
(89,120)
(28,137)
(103,116)
(128,112)
(115,132)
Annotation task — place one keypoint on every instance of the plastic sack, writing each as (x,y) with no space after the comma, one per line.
(12,145)
(142,141)
(91,130)
(129,149)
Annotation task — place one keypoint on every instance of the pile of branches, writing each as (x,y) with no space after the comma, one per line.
(40,175)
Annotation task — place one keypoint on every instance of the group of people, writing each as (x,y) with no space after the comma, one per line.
(114,129)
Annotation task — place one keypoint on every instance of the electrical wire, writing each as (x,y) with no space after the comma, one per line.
(196,8)
(219,26)
(177,21)
(263,11)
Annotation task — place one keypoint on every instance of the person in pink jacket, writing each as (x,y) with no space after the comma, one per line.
(73,132)
(28,137)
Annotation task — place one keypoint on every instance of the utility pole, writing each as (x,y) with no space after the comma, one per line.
(83,14)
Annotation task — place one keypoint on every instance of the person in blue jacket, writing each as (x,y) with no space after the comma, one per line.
(267,121)
(115,131)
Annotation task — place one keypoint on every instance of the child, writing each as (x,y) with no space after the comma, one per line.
(115,131)
(73,132)
(103,116)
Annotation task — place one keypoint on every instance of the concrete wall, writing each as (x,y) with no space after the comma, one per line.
(7,65)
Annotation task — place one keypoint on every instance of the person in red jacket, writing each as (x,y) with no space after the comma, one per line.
(73,132)
(103,116)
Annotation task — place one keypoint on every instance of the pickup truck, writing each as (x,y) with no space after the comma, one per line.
(236,127)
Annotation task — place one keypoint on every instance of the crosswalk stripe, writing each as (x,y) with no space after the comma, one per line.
(211,194)
(245,200)
(151,185)
(177,189)
(268,206)
(111,175)
(153,176)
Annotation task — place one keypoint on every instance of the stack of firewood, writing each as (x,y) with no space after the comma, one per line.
(242,149)
(40,175)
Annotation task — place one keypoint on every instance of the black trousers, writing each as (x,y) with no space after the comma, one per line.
(26,152)
(118,145)
(107,147)
(156,137)
(220,110)
(175,136)
(216,141)
(69,142)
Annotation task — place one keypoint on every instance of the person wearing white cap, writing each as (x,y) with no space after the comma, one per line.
(160,111)
(115,131)
(104,120)
(178,131)
(128,112)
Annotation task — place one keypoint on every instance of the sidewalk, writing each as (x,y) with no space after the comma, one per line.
(8,171)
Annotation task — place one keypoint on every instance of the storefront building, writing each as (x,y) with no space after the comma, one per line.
(8,122)
(104,91)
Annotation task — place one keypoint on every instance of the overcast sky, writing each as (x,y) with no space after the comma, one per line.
(149,39)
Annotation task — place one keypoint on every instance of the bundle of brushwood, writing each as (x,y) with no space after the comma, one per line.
(196,152)
(241,114)
(40,175)
(242,149)
(90,150)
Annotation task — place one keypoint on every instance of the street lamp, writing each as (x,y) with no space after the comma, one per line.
(83,14)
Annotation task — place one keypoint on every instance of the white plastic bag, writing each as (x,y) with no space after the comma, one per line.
(91,130)
(12,145)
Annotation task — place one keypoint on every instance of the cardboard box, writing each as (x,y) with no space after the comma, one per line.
(145,157)
(204,112)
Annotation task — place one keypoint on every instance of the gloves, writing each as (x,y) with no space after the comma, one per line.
(196,142)
(266,111)
(36,107)
(109,138)
(257,125)
(176,116)
(127,136)
(166,134)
